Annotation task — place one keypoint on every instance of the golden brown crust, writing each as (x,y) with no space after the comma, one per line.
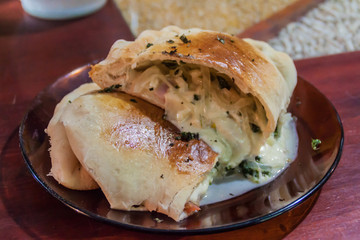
(134,155)
(256,68)
(155,135)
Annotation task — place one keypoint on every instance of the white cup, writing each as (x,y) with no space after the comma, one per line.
(61,9)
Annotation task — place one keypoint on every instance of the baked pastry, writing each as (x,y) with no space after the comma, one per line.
(231,91)
(140,161)
(189,106)
(65,167)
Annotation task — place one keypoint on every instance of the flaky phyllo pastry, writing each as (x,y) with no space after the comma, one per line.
(168,113)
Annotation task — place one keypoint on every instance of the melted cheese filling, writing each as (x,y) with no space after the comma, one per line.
(200,100)
(276,154)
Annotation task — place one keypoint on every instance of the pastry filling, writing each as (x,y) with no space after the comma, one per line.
(200,100)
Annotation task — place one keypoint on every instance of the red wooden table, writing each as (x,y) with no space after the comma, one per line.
(34,53)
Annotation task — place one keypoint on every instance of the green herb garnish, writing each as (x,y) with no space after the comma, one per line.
(184,39)
(110,89)
(252,170)
(172,52)
(315,143)
(187,136)
(133,100)
(149,45)
(255,128)
(276,132)
(170,41)
(249,169)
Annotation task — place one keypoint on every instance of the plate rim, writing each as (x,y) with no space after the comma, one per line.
(207,230)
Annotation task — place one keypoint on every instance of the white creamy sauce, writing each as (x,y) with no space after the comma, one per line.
(199,99)
(277,153)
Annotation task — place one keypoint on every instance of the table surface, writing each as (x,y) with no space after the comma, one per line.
(34,53)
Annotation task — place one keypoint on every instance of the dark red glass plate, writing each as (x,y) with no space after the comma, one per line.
(316,118)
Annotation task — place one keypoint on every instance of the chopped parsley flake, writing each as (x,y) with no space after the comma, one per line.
(187,136)
(69,101)
(276,132)
(149,45)
(172,52)
(315,143)
(255,128)
(197,97)
(247,169)
(253,170)
(110,89)
(133,100)
(170,41)
(184,39)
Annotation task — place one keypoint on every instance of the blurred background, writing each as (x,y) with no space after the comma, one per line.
(333,26)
